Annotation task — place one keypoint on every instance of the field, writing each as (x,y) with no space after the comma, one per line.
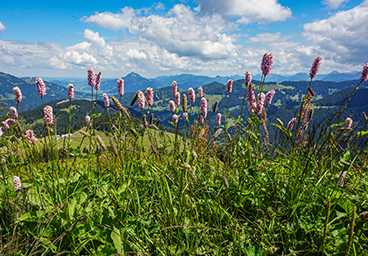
(225,190)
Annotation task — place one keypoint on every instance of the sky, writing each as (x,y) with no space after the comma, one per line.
(200,37)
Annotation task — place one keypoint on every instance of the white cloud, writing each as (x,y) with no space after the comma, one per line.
(2,27)
(248,11)
(334,4)
(182,31)
(136,55)
(342,37)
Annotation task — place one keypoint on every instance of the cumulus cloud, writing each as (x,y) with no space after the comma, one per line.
(342,37)
(248,11)
(2,27)
(334,4)
(181,32)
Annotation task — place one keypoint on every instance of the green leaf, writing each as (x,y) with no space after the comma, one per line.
(363,133)
(254,251)
(283,129)
(96,115)
(72,207)
(116,239)
(6,139)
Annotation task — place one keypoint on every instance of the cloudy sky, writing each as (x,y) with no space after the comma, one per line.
(203,37)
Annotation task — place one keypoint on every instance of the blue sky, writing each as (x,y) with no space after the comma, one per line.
(204,37)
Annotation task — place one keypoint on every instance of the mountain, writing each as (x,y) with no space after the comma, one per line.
(185,81)
(29,91)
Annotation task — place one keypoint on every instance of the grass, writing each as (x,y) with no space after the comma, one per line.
(146,192)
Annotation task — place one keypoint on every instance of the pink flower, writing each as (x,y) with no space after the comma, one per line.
(248,78)
(41,88)
(229,86)
(177,99)
(267,62)
(98,81)
(31,136)
(204,107)
(1,133)
(349,122)
(106,100)
(70,91)
(120,86)
(172,105)
(174,88)
(175,118)
(14,112)
(218,119)
(200,92)
(18,94)
(149,96)
(48,115)
(201,119)
(91,77)
(291,124)
(191,94)
(269,97)
(261,100)
(141,100)
(88,120)
(315,67)
(10,120)
(6,126)
(17,184)
(251,98)
(364,76)
(185,116)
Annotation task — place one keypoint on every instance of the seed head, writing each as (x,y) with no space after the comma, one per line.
(135,98)
(185,102)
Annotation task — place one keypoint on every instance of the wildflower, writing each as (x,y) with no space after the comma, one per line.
(261,100)
(217,133)
(41,88)
(204,107)
(17,184)
(269,97)
(31,136)
(48,115)
(175,118)
(120,83)
(88,120)
(191,94)
(200,92)
(1,133)
(291,124)
(98,81)
(91,77)
(267,62)
(348,122)
(201,119)
(218,119)
(10,120)
(364,76)
(141,100)
(106,100)
(18,94)
(174,88)
(229,86)
(315,67)
(251,98)
(70,91)
(172,105)
(14,112)
(149,96)
(248,78)
(6,126)
(177,98)
(185,116)
(342,179)
(3,159)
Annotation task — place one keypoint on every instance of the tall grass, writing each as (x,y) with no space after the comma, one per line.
(141,191)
